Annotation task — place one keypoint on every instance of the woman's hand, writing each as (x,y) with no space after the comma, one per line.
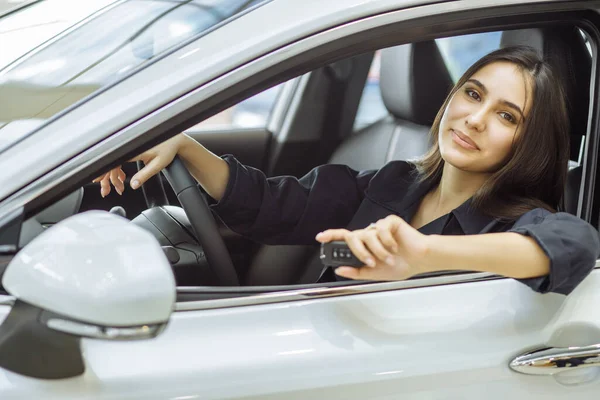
(154,159)
(391,249)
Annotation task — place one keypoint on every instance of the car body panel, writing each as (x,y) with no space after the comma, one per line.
(449,341)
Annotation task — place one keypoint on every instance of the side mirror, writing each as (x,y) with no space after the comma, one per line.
(92,275)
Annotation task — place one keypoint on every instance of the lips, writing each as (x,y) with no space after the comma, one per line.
(464,140)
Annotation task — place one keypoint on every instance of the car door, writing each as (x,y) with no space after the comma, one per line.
(447,338)
(450,336)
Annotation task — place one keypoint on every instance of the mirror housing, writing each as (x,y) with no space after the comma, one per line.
(92,275)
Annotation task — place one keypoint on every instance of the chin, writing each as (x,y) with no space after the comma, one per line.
(457,158)
(464,162)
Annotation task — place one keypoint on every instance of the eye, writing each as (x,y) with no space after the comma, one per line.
(508,117)
(473,94)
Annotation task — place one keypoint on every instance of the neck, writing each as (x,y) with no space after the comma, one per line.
(456,186)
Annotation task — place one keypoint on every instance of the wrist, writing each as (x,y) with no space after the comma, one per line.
(427,262)
(184,144)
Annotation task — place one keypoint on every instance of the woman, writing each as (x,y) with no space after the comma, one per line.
(484,198)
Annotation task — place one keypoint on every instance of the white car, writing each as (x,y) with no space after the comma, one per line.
(169,304)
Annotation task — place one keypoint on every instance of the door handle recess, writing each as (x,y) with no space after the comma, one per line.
(552,360)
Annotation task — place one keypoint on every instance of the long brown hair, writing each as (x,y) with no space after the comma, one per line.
(535,174)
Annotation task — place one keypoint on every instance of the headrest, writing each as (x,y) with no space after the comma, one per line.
(414,81)
(564,48)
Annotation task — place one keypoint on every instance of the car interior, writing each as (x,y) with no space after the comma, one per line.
(414,80)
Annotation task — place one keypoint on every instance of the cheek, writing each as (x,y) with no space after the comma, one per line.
(457,108)
(499,144)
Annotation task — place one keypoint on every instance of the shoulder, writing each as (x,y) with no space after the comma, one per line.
(393,181)
(402,173)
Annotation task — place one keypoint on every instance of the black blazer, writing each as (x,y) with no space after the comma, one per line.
(287,210)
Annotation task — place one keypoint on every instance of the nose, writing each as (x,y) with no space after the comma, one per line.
(476,119)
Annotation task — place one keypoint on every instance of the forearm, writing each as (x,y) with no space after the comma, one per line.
(508,254)
(210,170)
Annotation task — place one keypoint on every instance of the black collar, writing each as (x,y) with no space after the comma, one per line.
(389,195)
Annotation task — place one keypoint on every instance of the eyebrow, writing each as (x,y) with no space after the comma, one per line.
(505,102)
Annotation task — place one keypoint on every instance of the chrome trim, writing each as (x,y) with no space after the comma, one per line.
(318,293)
(105,332)
(551,361)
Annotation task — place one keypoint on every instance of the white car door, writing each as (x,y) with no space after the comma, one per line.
(422,339)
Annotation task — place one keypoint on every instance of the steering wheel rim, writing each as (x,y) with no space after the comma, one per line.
(202,220)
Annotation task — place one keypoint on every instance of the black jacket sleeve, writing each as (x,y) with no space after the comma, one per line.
(287,210)
(571,244)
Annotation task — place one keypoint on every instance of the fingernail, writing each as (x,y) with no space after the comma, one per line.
(119,191)
(135,184)
(102,194)
(389,261)
(370,262)
(319,235)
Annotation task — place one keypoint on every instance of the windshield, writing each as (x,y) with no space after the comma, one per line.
(83,48)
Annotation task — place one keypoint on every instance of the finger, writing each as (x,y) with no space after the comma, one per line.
(116,182)
(331,234)
(98,179)
(105,186)
(149,170)
(121,174)
(398,229)
(380,273)
(362,274)
(373,243)
(358,248)
(348,272)
(385,229)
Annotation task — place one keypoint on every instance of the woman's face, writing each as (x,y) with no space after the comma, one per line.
(483,117)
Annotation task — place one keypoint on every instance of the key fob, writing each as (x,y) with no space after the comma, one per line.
(337,253)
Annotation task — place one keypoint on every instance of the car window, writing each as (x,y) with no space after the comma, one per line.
(251,113)
(458,52)
(98,51)
(22,31)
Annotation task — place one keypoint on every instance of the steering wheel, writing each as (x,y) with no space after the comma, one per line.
(198,212)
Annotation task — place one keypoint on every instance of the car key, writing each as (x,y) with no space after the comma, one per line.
(337,253)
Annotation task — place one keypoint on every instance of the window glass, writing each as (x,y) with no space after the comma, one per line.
(250,113)
(371,107)
(107,44)
(458,52)
(24,30)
